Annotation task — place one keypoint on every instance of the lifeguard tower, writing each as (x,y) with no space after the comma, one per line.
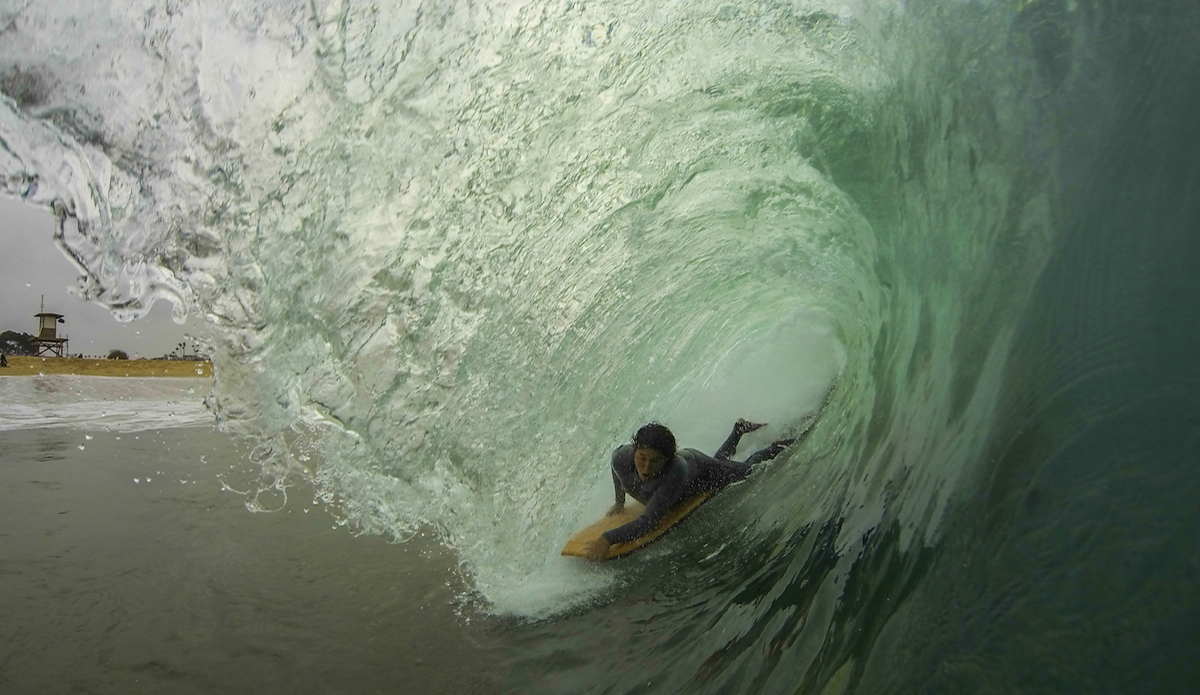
(47,341)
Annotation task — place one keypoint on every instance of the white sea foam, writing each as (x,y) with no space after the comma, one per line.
(102,403)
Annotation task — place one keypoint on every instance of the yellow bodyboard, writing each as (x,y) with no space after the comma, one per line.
(579,543)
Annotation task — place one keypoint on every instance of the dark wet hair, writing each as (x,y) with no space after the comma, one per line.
(655,435)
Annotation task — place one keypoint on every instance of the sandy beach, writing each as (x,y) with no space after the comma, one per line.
(34,366)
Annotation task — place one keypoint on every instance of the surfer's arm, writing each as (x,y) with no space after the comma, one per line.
(659,504)
(619,490)
(620,456)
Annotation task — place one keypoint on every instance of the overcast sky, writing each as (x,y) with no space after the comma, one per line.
(31,266)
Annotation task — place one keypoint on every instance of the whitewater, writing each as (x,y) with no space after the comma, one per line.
(453,253)
(106,404)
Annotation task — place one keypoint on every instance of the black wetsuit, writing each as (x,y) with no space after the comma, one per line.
(689,473)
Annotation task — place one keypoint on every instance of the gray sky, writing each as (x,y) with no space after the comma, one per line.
(31,265)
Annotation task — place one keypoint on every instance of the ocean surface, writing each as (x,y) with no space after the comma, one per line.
(107,404)
(453,253)
(131,565)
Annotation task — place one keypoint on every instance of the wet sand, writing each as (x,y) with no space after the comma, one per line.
(33,366)
(125,568)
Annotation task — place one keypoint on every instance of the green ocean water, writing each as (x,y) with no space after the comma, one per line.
(462,251)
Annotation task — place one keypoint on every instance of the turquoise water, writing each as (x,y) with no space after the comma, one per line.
(463,251)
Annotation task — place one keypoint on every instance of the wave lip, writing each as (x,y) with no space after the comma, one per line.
(102,403)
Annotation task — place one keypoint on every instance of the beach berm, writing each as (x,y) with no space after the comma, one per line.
(34,366)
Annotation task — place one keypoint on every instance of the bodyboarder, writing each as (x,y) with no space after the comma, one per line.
(654,472)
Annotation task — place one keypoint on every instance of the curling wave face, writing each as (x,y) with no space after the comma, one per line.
(480,242)
(468,248)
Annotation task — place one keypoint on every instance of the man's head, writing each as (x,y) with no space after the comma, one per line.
(653,446)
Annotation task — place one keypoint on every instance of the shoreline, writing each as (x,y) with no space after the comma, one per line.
(42,366)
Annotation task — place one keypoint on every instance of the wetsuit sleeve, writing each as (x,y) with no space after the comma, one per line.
(618,488)
(661,502)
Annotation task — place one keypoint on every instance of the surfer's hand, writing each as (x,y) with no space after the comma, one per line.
(598,550)
(615,510)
